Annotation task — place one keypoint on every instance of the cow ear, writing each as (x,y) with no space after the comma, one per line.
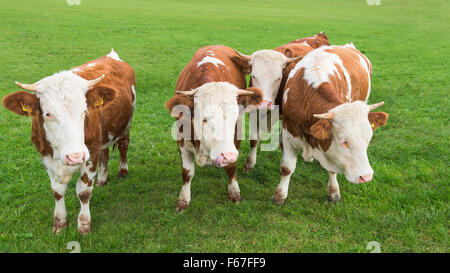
(179,100)
(288,53)
(243,63)
(378,119)
(99,96)
(321,129)
(251,99)
(22,103)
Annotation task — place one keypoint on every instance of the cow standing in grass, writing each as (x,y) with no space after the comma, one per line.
(77,115)
(326,116)
(269,72)
(210,89)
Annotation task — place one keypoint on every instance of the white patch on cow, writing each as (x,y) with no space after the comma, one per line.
(210,53)
(319,65)
(212,60)
(351,45)
(366,68)
(285,95)
(62,96)
(267,70)
(111,140)
(76,70)
(134,95)
(114,55)
(91,65)
(123,166)
(215,115)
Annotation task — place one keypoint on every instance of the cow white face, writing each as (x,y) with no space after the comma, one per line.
(216,112)
(62,102)
(267,71)
(350,131)
(267,68)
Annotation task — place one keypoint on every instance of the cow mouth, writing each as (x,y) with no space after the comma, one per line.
(218,161)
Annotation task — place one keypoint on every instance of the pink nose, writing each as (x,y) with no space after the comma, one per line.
(75,158)
(365,178)
(225,159)
(266,104)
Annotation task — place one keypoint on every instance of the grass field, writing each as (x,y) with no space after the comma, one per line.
(405,208)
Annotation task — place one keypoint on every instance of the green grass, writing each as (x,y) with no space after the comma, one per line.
(405,208)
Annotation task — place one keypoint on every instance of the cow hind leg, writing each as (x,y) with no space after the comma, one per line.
(123,150)
(251,159)
(288,164)
(234,193)
(333,188)
(102,177)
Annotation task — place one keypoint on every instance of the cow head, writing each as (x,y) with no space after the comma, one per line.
(215,107)
(348,127)
(267,68)
(61,100)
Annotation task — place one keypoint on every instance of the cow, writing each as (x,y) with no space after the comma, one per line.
(211,87)
(77,115)
(326,115)
(269,72)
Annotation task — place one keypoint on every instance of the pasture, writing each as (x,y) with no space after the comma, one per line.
(405,208)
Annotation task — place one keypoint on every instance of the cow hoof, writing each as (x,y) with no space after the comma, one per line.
(247,168)
(58,225)
(234,197)
(334,197)
(182,205)
(122,174)
(278,201)
(56,230)
(101,183)
(85,228)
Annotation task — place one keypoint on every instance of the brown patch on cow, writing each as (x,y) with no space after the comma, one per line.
(84,196)
(320,39)
(284,171)
(57,195)
(321,129)
(231,171)
(86,179)
(253,143)
(185,175)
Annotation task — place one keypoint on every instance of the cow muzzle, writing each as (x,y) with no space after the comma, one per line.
(225,159)
(265,104)
(364,178)
(75,158)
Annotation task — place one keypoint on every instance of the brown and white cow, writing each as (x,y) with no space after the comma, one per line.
(325,114)
(269,72)
(210,88)
(77,115)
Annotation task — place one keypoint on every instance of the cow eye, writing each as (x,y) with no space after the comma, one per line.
(204,120)
(343,142)
(47,115)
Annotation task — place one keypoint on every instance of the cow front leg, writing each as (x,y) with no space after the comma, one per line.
(333,188)
(187,173)
(59,215)
(84,187)
(288,164)
(123,150)
(102,177)
(234,193)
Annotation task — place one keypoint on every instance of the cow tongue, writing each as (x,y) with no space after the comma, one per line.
(218,160)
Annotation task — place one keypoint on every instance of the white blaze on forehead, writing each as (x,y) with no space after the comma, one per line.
(114,55)
(319,65)
(212,60)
